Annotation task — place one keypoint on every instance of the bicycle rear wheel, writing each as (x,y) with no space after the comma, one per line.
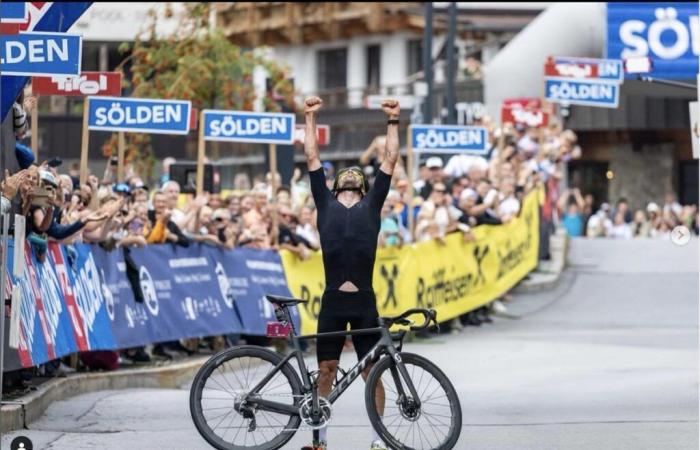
(435,425)
(225,379)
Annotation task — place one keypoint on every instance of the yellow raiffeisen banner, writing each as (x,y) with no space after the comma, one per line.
(454,278)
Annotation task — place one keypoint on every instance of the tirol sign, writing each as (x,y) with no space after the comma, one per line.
(449,139)
(139,115)
(584,68)
(323,134)
(87,83)
(668,33)
(246,126)
(40,54)
(528,117)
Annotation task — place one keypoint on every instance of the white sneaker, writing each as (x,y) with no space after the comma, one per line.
(499,307)
(378,445)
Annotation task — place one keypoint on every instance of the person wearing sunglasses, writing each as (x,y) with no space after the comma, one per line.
(349,217)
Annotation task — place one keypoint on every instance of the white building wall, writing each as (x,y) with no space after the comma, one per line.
(301,59)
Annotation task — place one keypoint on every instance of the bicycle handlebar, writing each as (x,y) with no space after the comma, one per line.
(429,315)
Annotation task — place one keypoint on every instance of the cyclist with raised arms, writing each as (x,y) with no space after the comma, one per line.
(348,223)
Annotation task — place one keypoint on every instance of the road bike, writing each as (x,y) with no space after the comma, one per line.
(249,397)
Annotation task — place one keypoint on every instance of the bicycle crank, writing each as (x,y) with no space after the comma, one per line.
(306,415)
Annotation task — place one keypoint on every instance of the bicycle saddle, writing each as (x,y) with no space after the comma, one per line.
(284,301)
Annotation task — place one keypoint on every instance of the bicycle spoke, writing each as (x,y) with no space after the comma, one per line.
(433,429)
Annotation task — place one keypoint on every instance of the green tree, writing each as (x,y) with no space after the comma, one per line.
(198,63)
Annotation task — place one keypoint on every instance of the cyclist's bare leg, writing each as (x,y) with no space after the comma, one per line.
(327,370)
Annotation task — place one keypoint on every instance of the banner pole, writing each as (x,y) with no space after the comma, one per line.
(409,170)
(85,142)
(35,129)
(3,270)
(273,183)
(120,162)
(201,144)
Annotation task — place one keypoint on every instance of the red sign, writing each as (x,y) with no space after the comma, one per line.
(323,133)
(530,117)
(88,83)
(525,102)
(194,118)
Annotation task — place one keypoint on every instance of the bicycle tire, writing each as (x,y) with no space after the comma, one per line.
(227,359)
(393,412)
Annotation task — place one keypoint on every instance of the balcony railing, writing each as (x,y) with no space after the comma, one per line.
(351,98)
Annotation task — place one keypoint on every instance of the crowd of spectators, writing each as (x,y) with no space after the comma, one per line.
(450,195)
(579,218)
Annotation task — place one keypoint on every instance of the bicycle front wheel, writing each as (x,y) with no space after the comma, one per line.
(224,381)
(434,425)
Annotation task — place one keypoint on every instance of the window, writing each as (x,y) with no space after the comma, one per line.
(332,68)
(91,56)
(415,56)
(373,65)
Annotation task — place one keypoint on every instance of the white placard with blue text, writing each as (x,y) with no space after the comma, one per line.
(40,54)
(246,126)
(579,92)
(449,139)
(139,115)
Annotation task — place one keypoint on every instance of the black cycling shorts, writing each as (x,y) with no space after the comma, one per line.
(338,309)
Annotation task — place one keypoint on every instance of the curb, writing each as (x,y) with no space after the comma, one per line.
(17,414)
(548,273)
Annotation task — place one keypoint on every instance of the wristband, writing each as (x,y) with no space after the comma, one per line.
(392,122)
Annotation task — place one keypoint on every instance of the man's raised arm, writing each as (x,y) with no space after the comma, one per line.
(392,109)
(311,107)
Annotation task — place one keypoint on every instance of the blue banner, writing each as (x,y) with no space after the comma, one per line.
(668,33)
(131,323)
(449,139)
(40,54)
(139,115)
(587,93)
(251,274)
(13,12)
(85,296)
(59,16)
(80,298)
(245,126)
(45,330)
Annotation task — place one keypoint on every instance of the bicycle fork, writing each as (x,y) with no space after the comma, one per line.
(409,405)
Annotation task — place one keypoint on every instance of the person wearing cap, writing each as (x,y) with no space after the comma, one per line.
(435,175)
(600,225)
(349,219)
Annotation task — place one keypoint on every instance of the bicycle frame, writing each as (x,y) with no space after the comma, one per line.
(384,346)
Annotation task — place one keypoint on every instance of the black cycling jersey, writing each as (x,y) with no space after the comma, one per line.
(349,235)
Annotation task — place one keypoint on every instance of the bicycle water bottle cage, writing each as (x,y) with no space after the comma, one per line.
(278,329)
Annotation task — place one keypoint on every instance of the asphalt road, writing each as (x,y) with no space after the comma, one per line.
(608,360)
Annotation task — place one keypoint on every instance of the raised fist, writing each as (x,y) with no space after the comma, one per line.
(391,107)
(312,104)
